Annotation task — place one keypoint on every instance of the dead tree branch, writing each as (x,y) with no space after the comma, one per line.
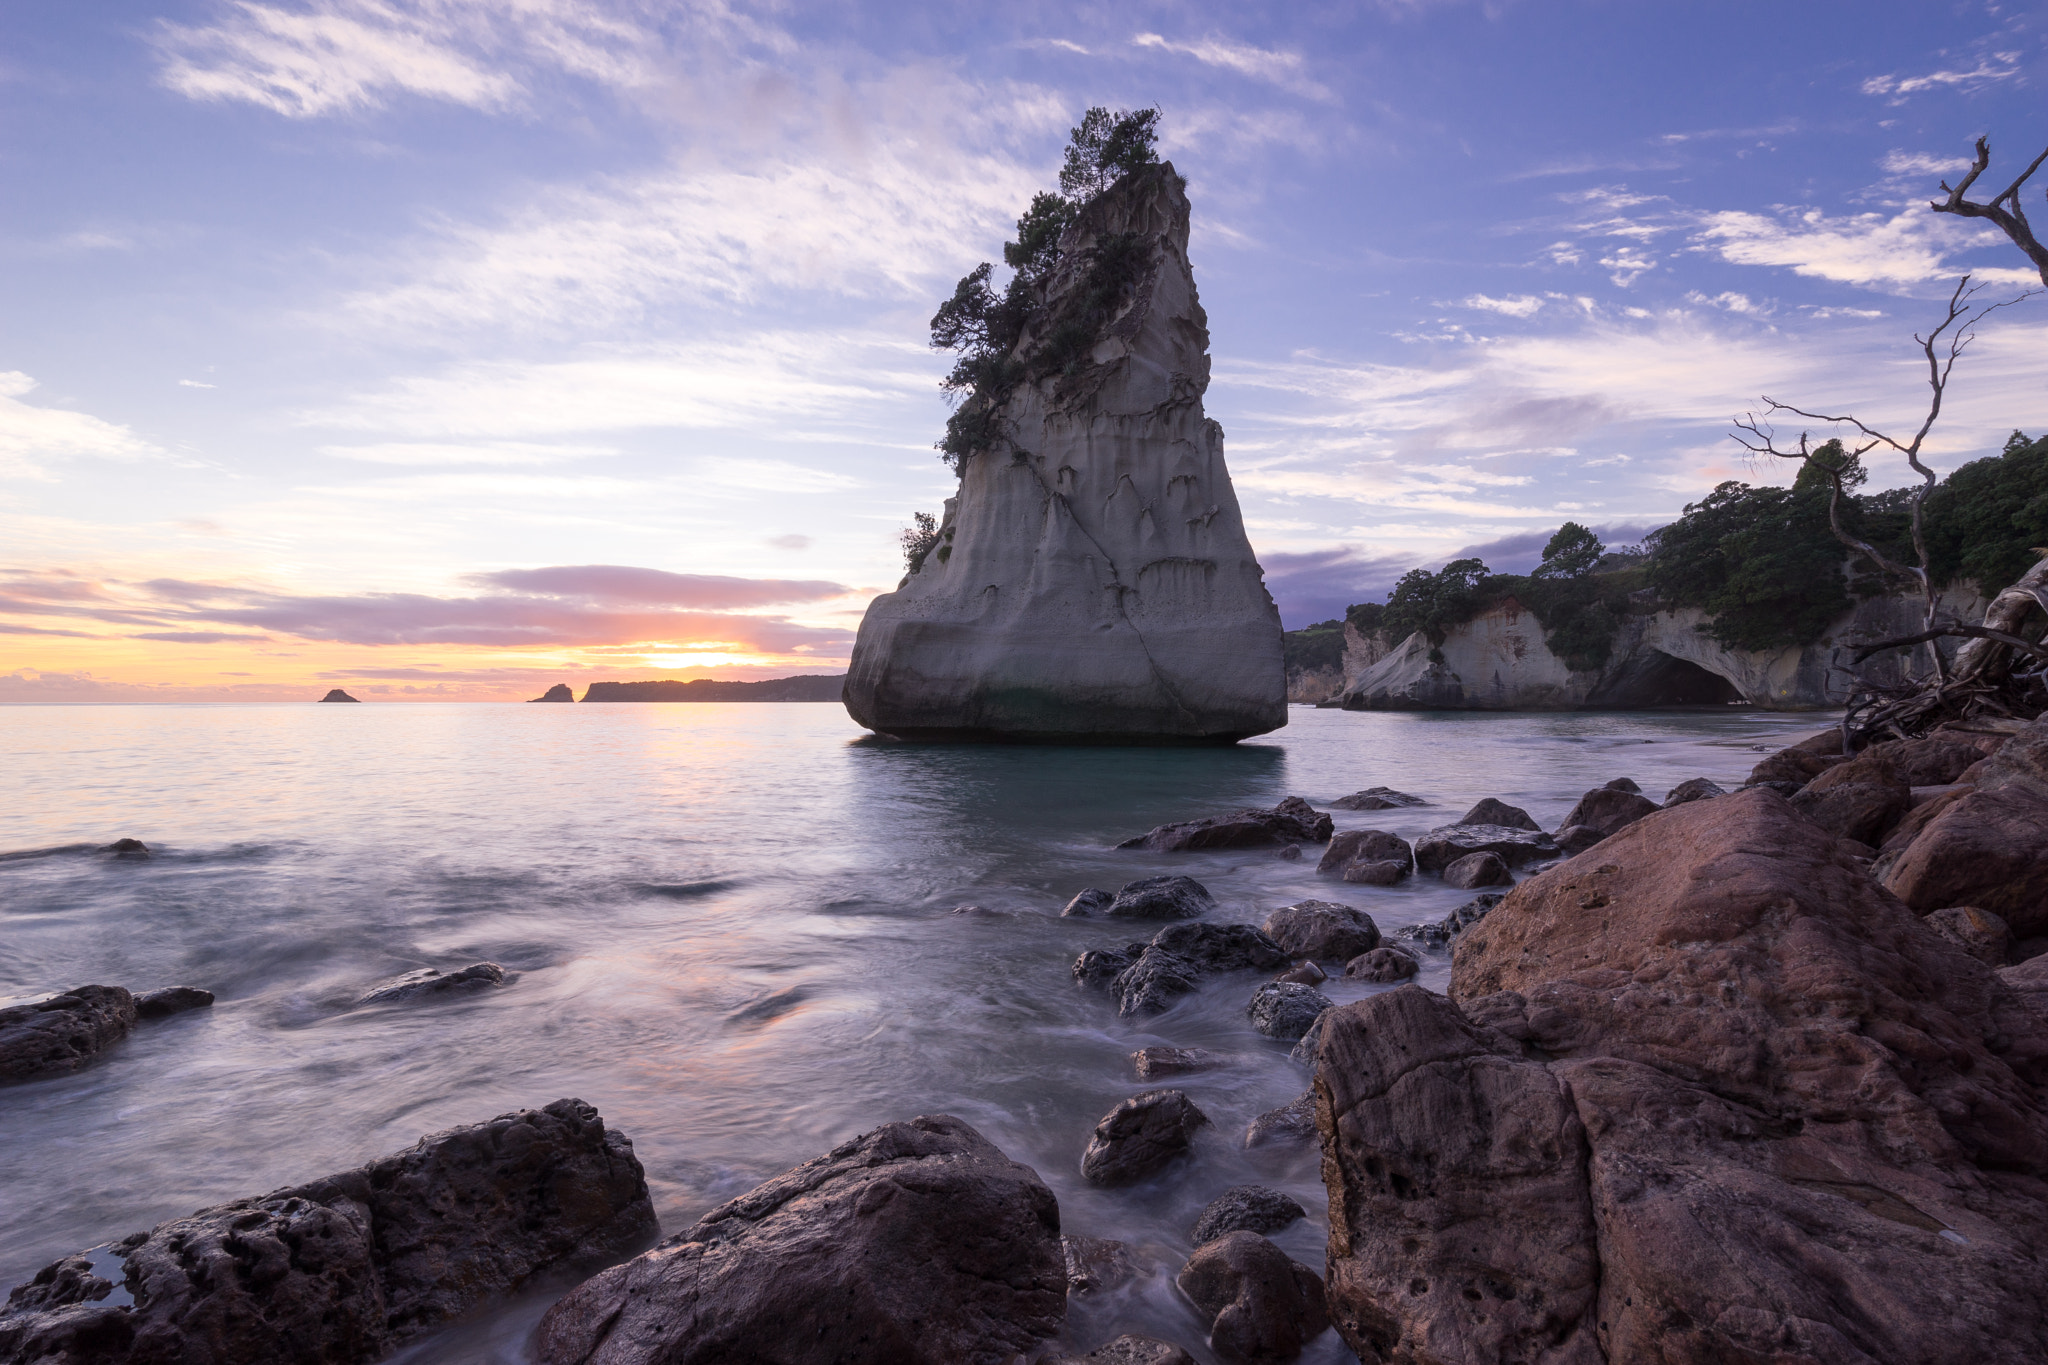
(1970,632)
(2003,209)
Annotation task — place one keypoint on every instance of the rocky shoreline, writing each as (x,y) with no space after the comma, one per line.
(1751,1075)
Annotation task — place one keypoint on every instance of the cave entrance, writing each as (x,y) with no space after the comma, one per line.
(1666,681)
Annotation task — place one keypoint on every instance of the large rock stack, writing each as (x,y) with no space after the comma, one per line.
(1092,580)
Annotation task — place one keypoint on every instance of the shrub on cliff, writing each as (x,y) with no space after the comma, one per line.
(1313,647)
(1985,519)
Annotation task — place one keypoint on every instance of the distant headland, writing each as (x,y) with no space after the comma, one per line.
(803,687)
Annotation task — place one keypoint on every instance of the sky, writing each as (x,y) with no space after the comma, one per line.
(449,349)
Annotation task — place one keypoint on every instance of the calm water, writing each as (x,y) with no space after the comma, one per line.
(732,933)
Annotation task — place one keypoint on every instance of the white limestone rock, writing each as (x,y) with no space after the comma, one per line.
(1092,579)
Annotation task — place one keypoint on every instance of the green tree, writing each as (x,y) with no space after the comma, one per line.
(917,540)
(1434,602)
(1988,522)
(1572,553)
(1763,562)
(1106,147)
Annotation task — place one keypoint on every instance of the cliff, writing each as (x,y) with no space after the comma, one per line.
(803,687)
(1092,580)
(1498,662)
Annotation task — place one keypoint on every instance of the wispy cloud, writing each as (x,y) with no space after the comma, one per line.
(1997,66)
(1514,306)
(1872,250)
(30,433)
(1286,70)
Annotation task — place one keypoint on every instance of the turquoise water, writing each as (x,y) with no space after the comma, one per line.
(731,928)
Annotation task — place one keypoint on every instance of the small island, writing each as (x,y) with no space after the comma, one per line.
(802,687)
(338,695)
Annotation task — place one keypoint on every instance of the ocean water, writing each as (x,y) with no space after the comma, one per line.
(731,928)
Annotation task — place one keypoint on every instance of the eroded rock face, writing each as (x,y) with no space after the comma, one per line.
(345,1269)
(1322,929)
(1094,580)
(1705,1094)
(1290,821)
(64,1032)
(916,1244)
(1261,1305)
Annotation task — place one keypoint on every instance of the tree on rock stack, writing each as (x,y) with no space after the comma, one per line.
(1091,581)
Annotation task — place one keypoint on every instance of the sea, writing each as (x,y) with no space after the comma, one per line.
(735,929)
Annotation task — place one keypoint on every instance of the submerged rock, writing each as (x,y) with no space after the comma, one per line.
(1713,1096)
(430,983)
(1093,580)
(1376,798)
(1088,902)
(1153,1062)
(1141,1137)
(1441,932)
(1245,1208)
(1441,847)
(1260,1304)
(1181,954)
(345,1269)
(127,848)
(1382,965)
(1322,929)
(1293,819)
(64,1032)
(1282,1010)
(1305,973)
(1292,1123)
(1096,1263)
(1161,898)
(171,1000)
(918,1243)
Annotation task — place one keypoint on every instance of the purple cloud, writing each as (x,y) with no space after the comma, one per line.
(655,587)
(1316,585)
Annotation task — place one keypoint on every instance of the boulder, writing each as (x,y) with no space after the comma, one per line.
(2029,981)
(1161,898)
(1283,1010)
(1093,578)
(1439,848)
(1245,1208)
(1129,1350)
(1382,965)
(1608,809)
(171,1000)
(1979,933)
(913,1244)
(430,984)
(1624,784)
(1089,902)
(1304,974)
(1984,849)
(1496,812)
(64,1032)
(1800,763)
(1860,799)
(1377,873)
(1322,929)
(1365,846)
(559,692)
(1100,966)
(2020,762)
(336,694)
(1096,1263)
(1293,819)
(1441,932)
(1376,798)
(1576,839)
(1260,1305)
(1708,1096)
(1153,1062)
(127,848)
(1476,870)
(1692,789)
(1293,1122)
(346,1269)
(1141,1137)
(1177,957)
(1940,758)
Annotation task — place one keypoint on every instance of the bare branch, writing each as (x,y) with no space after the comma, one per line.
(1970,632)
(2011,221)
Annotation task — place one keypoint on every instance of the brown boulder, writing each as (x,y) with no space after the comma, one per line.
(1979,933)
(1293,820)
(1150,1062)
(1260,1304)
(1608,810)
(2021,762)
(1141,1137)
(1476,871)
(1862,811)
(345,1269)
(1130,1350)
(1293,1122)
(1802,762)
(915,1244)
(1322,929)
(1707,1095)
(2029,980)
(1576,839)
(1378,872)
(64,1032)
(1494,811)
(1382,965)
(1365,846)
(1986,849)
(1096,1263)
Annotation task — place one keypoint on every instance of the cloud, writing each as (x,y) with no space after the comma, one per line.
(1921,163)
(6,629)
(476,452)
(1998,66)
(195,384)
(620,583)
(1868,249)
(1515,306)
(790,542)
(1283,69)
(29,433)
(197,637)
(1316,585)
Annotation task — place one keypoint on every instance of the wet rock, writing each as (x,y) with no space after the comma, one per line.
(1800,763)
(979,912)
(1292,1123)
(1441,932)
(1284,1011)
(1439,848)
(1153,1062)
(1180,955)
(1983,849)
(1304,974)
(1624,784)
(1382,965)
(815,1266)
(2029,982)
(1130,1350)
(1576,839)
(1711,1096)
(1290,821)
(1377,798)
(1100,966)
(1096,1263)
(1162,898)
(171,1000)
(64,1032)
(1376,873)
(428,983)
(1304,1049)
(127,848)
(1608,810)
(1979,933)
(1245,1208)
(347,1268)
(1141,1137)
(1476,870)
(1291,853)
(1322,929)
(1692,789)
(1260,1304)
(1496,812)
(336,694)
(1355,846)
(1091,902)
(2019,763)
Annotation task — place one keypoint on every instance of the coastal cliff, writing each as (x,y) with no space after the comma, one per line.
(1498,661)
(1092,580)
